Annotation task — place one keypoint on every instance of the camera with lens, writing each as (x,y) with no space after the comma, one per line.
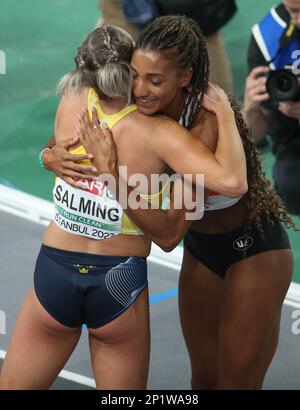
(283,85)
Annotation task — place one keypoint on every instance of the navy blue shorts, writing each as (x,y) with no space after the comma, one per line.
(221,250)
(81,288)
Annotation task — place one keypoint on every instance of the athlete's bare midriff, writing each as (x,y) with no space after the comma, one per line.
(120,245)
(223,220)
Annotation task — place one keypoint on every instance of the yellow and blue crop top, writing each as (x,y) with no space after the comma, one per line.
(93,211)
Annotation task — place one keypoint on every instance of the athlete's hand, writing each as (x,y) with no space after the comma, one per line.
(215,99)
(64,164)
(99,141)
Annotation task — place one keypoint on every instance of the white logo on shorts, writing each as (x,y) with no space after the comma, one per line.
(243,243)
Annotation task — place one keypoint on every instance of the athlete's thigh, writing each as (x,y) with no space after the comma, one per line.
(200,298)
(120,350)
(38,349)
(255,289)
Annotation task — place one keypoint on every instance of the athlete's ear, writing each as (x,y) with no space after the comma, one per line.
(186,77)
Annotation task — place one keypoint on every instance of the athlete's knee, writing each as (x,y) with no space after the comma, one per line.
(239,369)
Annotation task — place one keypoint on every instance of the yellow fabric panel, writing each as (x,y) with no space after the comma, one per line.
(109,119)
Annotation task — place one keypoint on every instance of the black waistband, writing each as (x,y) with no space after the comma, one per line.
(266,225)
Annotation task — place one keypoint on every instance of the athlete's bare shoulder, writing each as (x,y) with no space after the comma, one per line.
(141,119)
(144,125)
(206,128)
(72,100)
(66,119)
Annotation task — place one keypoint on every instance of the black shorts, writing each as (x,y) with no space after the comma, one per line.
(81,288)
(219,251)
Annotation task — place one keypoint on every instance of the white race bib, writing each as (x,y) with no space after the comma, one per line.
(92,211)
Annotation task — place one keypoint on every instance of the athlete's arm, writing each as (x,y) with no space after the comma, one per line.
(164,227)
(167,227)
(50,143)
(224,171)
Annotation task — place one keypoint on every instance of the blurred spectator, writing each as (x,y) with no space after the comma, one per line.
(271,47)
(211,15)
(112,13)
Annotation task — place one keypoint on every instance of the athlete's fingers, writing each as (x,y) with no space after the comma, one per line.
(88,125)
(76,157)
(84,169)
(81,127)
(86,118)
(212,92)
(82,112)
(82,122)
(84,128)
(95,121)
(80,132)
(77,175)
(106,131)
(74,181)
(199,96)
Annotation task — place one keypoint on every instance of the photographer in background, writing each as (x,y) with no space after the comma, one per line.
(273,45)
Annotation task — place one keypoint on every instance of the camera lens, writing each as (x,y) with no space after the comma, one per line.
(284,84)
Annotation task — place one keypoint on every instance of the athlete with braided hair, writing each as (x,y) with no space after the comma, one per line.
(91,268)
(237,263)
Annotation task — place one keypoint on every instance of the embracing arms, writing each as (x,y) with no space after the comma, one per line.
(164,227)
(225,171)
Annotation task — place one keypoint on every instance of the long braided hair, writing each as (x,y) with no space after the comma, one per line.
(181,38)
